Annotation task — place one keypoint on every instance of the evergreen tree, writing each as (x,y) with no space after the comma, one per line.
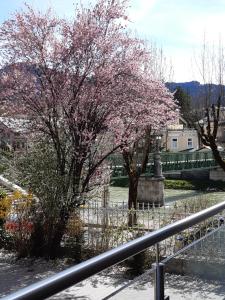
(184,101)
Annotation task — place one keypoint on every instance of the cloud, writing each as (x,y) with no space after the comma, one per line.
(179,26)
(140,9)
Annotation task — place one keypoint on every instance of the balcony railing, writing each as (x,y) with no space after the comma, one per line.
(73,275)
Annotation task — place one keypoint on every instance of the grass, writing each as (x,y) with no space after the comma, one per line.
(179,184)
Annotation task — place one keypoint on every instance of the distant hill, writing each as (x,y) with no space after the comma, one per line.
(196,90)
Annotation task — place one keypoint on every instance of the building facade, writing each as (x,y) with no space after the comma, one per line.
(13,133)
(178,137)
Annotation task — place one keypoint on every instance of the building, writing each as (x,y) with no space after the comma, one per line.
(178,137)
(13,133)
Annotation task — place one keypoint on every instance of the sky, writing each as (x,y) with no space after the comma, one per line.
(176,26)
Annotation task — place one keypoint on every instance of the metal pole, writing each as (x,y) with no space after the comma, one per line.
(157,159)
(159,281)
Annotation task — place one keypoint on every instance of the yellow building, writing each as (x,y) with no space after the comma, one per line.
(178,137)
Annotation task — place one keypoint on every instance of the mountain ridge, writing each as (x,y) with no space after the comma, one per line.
(198,91)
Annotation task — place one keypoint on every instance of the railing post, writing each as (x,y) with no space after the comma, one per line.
(159,281)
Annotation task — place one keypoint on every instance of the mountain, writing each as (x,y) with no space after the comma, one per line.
(192,88)
(198,91)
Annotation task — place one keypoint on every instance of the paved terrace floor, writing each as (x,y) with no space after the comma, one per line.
(16,274)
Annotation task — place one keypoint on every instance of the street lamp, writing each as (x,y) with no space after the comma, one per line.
(157,158)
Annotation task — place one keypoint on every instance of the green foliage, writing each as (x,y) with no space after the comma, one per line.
(6,159)
(184,101)
(201,185)
(37,172)
(179,184)
(3,194)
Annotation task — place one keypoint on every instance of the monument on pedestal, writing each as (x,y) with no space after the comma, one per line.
(151,188)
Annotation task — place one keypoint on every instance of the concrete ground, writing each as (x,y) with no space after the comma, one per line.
(17,274)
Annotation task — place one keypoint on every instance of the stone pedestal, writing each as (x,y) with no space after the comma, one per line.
(217,174)
(151,190)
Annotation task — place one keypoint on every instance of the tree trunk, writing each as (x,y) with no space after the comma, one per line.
(54,249)
(37,238)
(132,200)
(217,156)
(47,236)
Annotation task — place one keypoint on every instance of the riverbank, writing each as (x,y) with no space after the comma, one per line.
(180,184)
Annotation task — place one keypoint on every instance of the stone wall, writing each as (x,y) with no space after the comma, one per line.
(204,268)
(217,174)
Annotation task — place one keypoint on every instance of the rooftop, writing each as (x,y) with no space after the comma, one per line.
(15,124)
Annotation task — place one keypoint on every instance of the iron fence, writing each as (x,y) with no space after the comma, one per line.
(107,227)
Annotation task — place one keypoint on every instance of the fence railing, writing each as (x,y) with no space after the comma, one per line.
(73,275)
(107,227)
(170,162)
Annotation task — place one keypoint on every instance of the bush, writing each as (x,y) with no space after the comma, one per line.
(15,213)
(201,185)
(3,194)
(5,207)
(179,184)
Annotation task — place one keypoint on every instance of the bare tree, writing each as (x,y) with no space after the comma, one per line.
(206,119)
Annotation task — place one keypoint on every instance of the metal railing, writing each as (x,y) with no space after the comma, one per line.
(73,275)
(107,227)
(170,162)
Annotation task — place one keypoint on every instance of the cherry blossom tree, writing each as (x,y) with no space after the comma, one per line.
(158,110)
(155,108)
(85,85)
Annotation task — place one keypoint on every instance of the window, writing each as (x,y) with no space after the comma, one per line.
(190,143)
(174,143)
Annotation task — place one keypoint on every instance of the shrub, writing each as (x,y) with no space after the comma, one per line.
(201,185)
(179,184)
(17,222)
(3,194)
(5,207)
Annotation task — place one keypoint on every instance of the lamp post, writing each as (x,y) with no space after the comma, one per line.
(157,158)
